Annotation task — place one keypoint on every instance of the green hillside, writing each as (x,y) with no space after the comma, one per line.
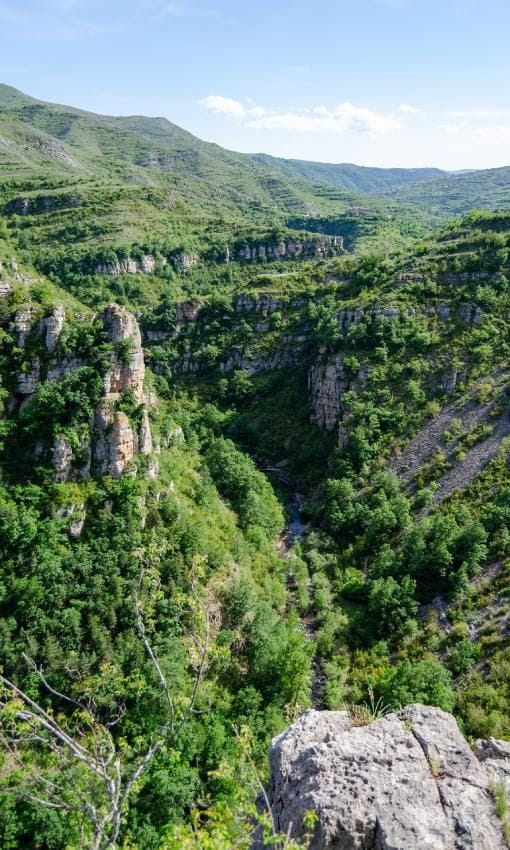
(355,178)
(254,456)
(458,193)
(199,183)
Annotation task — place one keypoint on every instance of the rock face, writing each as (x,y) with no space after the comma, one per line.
(185,262)
(470,314)
(314,247)
(187,311)
(115,445)
(496,758)
(145,265)
(110,441)
(128,368)
(51,327)
(62,459)
(23,324)
(327,383)
(346,318)
(42,204)
(117,441)
(263,303)
(408,781)
(27,381)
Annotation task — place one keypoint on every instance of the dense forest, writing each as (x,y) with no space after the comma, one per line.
(254,450)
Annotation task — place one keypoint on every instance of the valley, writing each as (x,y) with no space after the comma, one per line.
(254,455)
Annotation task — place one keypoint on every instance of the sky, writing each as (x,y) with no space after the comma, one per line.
(377,82)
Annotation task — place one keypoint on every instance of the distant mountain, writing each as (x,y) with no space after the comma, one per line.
(39,138)
(458,193)
(355,178)
(442,192)
(197,184)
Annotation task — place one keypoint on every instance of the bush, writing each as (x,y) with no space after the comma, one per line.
(426,681)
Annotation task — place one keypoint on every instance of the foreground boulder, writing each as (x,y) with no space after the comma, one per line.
(407,781)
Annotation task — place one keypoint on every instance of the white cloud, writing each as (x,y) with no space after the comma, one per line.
(481,114)
(232,108)
(407,109)
(498,132)
(223,105)
(319,119)
(448,129)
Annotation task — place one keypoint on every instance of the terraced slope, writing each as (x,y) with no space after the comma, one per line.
(100,155)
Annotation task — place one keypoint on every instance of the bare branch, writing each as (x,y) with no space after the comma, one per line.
(33,666)
(90,775)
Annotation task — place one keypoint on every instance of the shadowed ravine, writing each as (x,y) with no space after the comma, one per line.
(294,532)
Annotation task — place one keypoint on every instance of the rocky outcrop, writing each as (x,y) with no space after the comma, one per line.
(117,440)
(42,204)
(75,516)
(448,380)
(58,368)
(470,314)
(288,354)
(144,435)
(346,318)
(184,262)
(5,283)
(28,380)
(187,311)
(145,265)
(23,320)
(110,440)
(495,756)
(115,443)
(327,383)
(314,247)
(407,781)
(459,278)
(62,459)
(263,303)
(50,328)
(52,149)
(128,368)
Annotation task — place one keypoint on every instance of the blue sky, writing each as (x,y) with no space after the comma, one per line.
(377,82)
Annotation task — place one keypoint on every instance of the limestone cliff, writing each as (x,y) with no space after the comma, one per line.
(128,367)
(407,781)
(313,247)
(108,443)
(328,381)
(147,264)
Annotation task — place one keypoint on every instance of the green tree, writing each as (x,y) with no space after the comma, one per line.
(427,681)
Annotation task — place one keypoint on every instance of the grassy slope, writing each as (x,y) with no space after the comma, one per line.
(459,193)
(345,175)
(57,143)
